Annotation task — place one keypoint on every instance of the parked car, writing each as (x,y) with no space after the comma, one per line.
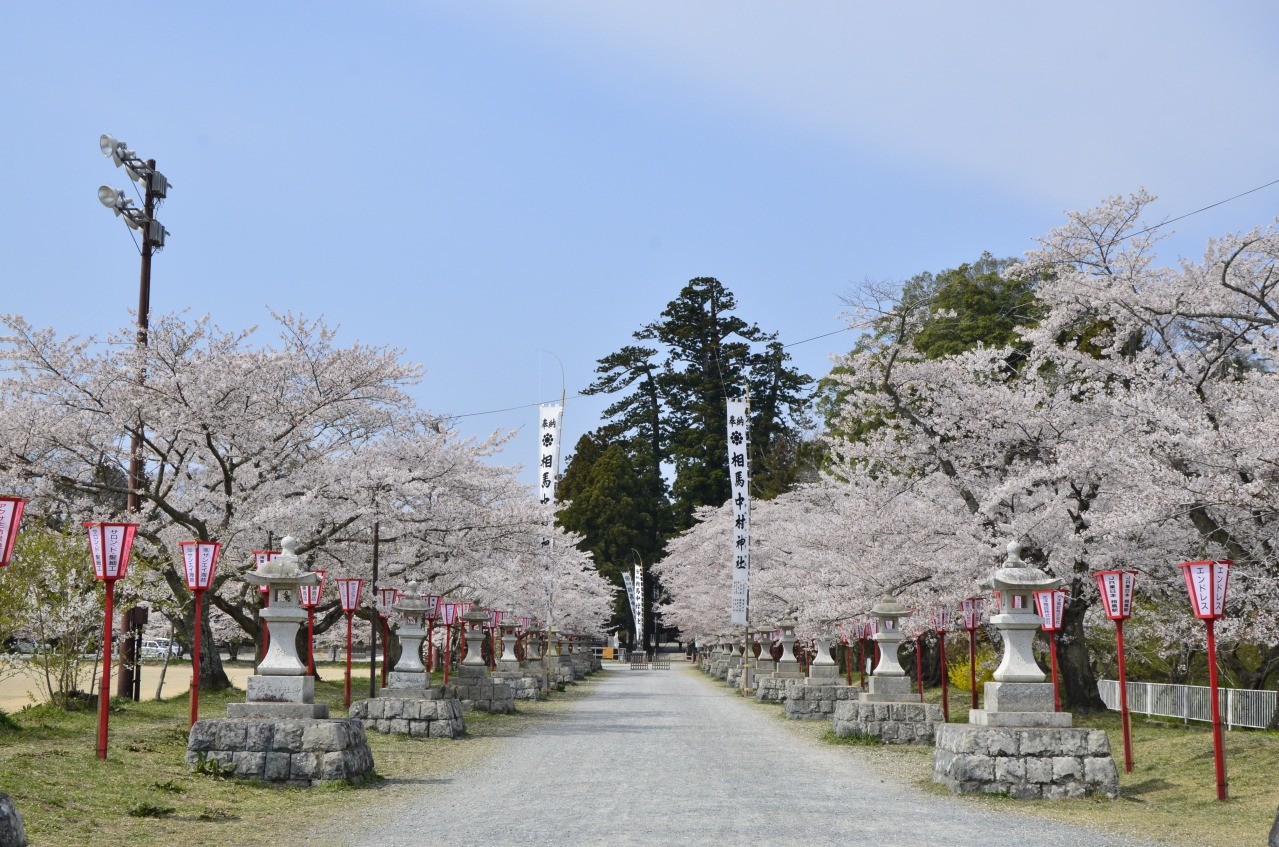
(155,648)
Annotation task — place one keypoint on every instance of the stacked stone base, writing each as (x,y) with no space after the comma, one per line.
(563,675)
(481,693)
(808,701)
(419,717)
(772,689)
(734,677)
(291,752)
(1024,763)
(525,686)
(891,723)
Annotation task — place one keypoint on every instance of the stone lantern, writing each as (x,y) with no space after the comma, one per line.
(1019,744)
(764,663)
(280,686)
(823,666)
(281,734)
(888,681)
(789,663)
(473,664)
(409,672)
(508,661)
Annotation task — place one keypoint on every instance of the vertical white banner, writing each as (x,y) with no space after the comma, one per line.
(550,419)
(739,476)
(630,599)
(639,606)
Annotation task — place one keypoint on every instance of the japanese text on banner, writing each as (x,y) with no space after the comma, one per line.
(740,492)
(550,422)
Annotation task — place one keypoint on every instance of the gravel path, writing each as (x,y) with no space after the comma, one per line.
(668,758)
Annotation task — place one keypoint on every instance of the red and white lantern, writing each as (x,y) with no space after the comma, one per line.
(349,588)
(941,625)
(10,517)
(110,545)
(970,608)
(199,560)
(309,599)
(1050,603)
(448,613)
(1206,584)
(1116,589)
(386,601)
(432,607)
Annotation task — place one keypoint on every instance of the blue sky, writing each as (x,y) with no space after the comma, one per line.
(473,182)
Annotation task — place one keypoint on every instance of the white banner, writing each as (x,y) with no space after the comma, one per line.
(630,598)
(639,607)
(739,476)
(550,419)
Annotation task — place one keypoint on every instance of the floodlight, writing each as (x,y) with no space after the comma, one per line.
(110,197)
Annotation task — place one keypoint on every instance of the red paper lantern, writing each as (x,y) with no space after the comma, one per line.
(432,607)
(309,595)
(1206,583)
(349,588)
(941,620)
(1050,603)
(971,608)
(1116,589)
(110,544)
(448,613)
(200,559)
(464,608)
(386,600)
(10,516)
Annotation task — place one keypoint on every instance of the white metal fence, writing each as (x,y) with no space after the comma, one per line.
(1239,706)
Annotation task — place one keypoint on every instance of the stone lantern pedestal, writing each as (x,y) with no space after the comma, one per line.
(736,660)
(891,709)
(410,705)
(524,678)
(771,687)
(281,734)
(1018,745)
(473,685)
(816,696)
(562,660)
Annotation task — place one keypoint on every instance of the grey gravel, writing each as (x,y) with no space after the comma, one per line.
(659,758)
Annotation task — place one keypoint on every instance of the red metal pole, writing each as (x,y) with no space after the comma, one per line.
(919,666)
(310,640)
(945,679)
(1124,717)
(346,699)
(430,646)
(448,650)
(104,684)
(1052,649)
(972,663)
(848,661)
(195,660)
(861,659)
(1218,743)
(386,641)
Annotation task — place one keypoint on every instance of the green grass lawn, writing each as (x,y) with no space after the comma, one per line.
(144,794)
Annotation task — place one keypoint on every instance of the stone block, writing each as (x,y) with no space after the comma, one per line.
(248,764)
(1038,770)
(333,766)
(203,736)
(277,767)
(1010,769)
(975,767)
(1098,743)
(1038,720)
(287,737)
(899,688)
(1025,791)
(400,679)
(399,726)
(277,711)
(280,689)
(1101,774)
(1067,768)
(231,735)
(303,766)
(1018,697)
(1001,742)
(327,735)
(257,736)
(11,832)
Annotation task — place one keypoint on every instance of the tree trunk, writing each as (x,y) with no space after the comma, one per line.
(1078,683)
(212,676)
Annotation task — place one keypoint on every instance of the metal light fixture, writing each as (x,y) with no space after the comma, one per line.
(200,560)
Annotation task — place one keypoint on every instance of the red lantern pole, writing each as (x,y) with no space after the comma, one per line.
(971,607)
(200,560)
(309,596)
(1116,596)
(1206,582)
(10,518)
(349,594)
(346,696)
(110,545)
(1050,603)
(919,662)
(861,652)
(941,624)
(104,687)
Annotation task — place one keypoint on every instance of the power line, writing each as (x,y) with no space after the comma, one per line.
(849,328)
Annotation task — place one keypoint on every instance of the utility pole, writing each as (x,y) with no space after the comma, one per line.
(373,628)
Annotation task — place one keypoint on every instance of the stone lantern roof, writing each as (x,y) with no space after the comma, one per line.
(887,607)
(1016,575)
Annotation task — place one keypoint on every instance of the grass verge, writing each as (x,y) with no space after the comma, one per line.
(143,794)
